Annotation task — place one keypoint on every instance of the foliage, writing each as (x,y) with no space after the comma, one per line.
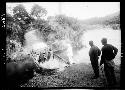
(59,27)
(19,23)
(38,11)
(43,27)
(13,30)
(22,17)
(16,26)
(67,28)
(112,20)
(20,12)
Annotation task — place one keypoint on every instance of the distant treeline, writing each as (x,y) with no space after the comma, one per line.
(112,21)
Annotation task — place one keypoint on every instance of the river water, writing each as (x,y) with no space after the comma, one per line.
(113,36)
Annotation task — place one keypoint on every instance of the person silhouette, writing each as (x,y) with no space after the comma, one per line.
(108,54)
(94,54)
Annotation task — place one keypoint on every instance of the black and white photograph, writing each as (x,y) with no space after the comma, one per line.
(63,44)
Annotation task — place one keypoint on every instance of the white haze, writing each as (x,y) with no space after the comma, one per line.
(33,42)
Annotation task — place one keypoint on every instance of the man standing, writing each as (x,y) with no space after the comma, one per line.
(94,52)
(108,54)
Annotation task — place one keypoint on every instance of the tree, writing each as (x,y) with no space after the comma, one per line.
(12,28)
(38,11)
(20,12)
(43,27)
(22,17)
(22,20)
(67,28)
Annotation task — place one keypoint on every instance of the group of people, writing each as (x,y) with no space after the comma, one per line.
(108,53)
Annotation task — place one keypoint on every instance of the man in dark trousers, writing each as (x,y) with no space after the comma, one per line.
(108,54)
(94,54)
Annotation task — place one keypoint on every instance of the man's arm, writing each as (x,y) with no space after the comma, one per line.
(99,52)
(115,50)
(102,58)
(90,52)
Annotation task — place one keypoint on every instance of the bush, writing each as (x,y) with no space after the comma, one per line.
(43,27)
(67,28)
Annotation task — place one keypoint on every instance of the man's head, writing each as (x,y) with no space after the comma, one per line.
(104,41)
(91,43)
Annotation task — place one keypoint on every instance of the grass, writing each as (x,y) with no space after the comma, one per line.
(77,75)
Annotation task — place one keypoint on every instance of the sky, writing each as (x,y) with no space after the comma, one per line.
(79,10)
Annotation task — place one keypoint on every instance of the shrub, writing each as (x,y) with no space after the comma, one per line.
(67,28)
